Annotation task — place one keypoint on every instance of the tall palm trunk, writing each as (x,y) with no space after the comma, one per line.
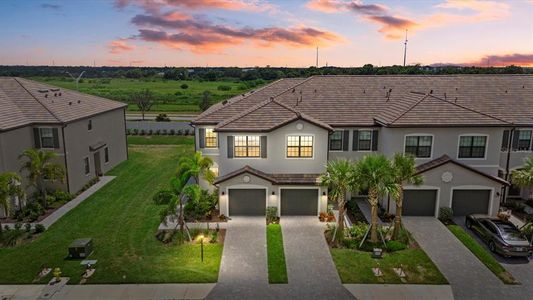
(340,222)
(398,217)
(373,199)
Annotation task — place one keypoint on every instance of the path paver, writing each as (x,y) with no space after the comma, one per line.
(400,291)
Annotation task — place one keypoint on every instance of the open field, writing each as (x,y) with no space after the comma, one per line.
(169,96)
(122,220)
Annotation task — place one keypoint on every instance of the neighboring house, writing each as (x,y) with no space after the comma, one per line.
(270,146)
(87,132)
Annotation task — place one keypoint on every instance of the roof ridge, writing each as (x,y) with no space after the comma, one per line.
(410,108)
(38,101)
(245,112)
(472,110)
(294,86)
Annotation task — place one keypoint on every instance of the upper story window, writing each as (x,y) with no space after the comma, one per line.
(300,146)
(47,137)
(524,140)
(335,140)
(86,166)
(90,125)
(365,140)
(211,139)
(419,145)
(247,146)
(472,146)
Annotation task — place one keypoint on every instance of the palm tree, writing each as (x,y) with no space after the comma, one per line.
(39,166)
(9,188)
(404,173)
(375,173)
(524,176)
(340,179)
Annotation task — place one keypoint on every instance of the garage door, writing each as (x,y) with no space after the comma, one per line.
(299,202)
(465,202)
(419,202)
(247,202)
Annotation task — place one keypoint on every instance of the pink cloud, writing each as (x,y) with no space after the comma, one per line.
(119,46)
(156,5)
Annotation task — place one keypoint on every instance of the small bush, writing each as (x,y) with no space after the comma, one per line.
(529,202)
(179,132)
(164,132)
(62,196)
(178,93)
(172,132)
(214,237)
(128,131)
(351,243)
(516,206)
(158,132)
(18,226)
(27,227)
(162,118)
(142,132)
(150,132)
(39,228)
(186,132)
(271,214)
(395,246)
(445,214)
(184,86)
(224,88)
(135,131)
(357,231)
(162,197)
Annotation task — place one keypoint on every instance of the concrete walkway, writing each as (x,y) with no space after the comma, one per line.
(469,278)
(56,215)
(400,291)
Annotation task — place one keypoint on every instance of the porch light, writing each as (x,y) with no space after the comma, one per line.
(223,193)
(324,196)
(273,193)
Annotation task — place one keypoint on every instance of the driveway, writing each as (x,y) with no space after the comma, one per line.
(469,278)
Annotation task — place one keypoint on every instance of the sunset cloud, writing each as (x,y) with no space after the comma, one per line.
(119,46)
(156,5)
(517,59)
(178,30)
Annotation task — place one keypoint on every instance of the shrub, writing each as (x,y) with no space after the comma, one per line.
(62,196)
(224,88)
(18,226)
(164,132)
(128,131)
(158,132)
(135,131)
(150,132)
(214,237)
(395,246)
(39,228)
(357,231)
(27,227)
(351,243)
(11,238)
(516,206)
(201,206)
(178,93)
(172,132)
(162,197)
(142,132)
(162,118)
(271,214)
(184,86)
(179,132)
(445,214)
(529,202)
(186,132)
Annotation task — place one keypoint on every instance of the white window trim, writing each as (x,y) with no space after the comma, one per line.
(371,139)
(89,164)
(300,134)
(473,158)
(530,141)
(41,137)
(247,157)
(420,134)
(205,136)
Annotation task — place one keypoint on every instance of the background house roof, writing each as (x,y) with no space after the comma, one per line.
(24,102)
(469,100)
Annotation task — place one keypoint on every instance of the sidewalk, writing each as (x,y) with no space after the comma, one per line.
(400,291)
(56,215)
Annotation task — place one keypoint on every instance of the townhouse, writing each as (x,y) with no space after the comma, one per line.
(467,132)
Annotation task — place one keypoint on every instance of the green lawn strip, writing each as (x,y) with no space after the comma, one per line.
(277,270)
(356,267)
(160,140)
(482,254)
(122,220)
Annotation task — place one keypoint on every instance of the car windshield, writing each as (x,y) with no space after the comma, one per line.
(509,232)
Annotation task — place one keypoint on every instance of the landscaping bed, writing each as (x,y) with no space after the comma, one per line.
(482,254)
(277,269)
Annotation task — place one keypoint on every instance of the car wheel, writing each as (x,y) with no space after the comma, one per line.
(492,247)
(468,224)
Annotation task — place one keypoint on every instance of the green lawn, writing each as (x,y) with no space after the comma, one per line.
(277,270)
(168,94)
(482,254)
(356,267)
(160,140)
(122,220)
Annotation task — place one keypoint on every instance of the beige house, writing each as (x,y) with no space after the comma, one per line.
(87,132)
(467,133)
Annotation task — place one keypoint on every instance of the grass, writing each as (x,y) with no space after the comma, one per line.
(168,94)
(122,220)
(277,270)
(356,267)
(482,254)
(160,140)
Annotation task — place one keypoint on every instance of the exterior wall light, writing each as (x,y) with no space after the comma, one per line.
(273,193)
(223,193)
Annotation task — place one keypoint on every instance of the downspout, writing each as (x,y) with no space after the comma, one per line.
(509,145)
(125,135)
(65,156)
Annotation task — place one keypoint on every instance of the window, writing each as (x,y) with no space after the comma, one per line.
(210,138)
(47,137)
(335,140)
(90,125)
(247,146)
(419,146)
(365,140)
(86,165)
(106,154)
(300,146)
(524,140)
(472,146)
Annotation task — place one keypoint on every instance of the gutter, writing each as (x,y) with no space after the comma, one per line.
(509,145)
(65,156)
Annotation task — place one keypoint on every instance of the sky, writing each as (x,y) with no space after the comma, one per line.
(281,33)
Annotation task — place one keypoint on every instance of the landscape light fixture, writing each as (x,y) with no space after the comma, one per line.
(201,238)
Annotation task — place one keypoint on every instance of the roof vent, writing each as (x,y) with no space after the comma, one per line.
(293,90)
(364,91)
(70,103)
(430,92)
(79,101)
(523,86)
(59,94)
(55,94)
(54,90)
(506,91)
(46,95)
(455,99)
(444,96)
(224,102)
(43,91)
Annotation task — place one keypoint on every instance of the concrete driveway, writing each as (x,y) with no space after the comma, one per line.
(469,278)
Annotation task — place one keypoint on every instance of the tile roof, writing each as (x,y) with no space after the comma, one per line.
(24,102)
(397,100)
(276,179)
(430,165)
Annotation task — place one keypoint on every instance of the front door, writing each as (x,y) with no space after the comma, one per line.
(97,164)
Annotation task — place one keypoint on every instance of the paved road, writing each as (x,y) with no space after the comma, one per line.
(469,278)
(152,116)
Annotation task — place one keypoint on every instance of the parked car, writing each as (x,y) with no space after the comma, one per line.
(501,236)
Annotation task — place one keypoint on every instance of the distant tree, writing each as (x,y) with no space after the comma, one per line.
(204,105)
(134,73)
(144,101)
